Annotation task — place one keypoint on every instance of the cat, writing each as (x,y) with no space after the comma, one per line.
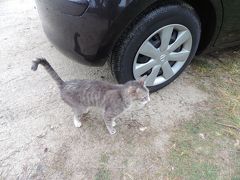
(114,99)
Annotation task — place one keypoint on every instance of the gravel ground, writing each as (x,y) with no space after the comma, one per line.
(37,137)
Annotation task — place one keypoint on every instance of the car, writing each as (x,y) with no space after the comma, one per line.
(157,38)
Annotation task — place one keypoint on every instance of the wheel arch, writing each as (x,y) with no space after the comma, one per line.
(210,13)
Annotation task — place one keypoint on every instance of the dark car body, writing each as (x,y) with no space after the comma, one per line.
(87,30)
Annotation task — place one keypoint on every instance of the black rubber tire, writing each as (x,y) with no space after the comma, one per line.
(124,52)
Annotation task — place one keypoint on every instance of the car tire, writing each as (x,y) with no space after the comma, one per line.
(134,45)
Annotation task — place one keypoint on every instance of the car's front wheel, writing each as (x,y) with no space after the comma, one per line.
(160,45)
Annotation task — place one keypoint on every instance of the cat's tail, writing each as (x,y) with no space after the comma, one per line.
(49,69)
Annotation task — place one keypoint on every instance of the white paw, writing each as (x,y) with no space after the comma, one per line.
(77,123)
(113,123)
(112,131)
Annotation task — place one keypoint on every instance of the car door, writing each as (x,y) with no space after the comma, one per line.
(230,32)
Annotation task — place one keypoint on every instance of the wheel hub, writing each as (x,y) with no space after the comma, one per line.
(163,58)
(168,55)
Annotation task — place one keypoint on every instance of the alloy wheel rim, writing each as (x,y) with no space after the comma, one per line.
(163,54)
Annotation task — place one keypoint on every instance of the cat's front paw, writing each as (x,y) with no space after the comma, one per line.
(112,131)
(113,123)
(77,123)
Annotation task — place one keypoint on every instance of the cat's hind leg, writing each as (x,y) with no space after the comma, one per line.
(109,126)
(77,122)
(109,122)
(78,113)
(114,123)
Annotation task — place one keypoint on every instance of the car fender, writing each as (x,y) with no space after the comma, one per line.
(128,10)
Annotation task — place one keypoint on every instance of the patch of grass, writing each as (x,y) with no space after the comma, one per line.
(103,172)
(235,178)
(125,162)
(207,147)
(193,156)
(198,171)
(104,158)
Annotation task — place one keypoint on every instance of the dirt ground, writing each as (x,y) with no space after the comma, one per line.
(37,137)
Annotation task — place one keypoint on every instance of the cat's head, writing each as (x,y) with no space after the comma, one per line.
(137,91)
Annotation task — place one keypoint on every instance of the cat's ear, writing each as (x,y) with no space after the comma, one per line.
(131,90)
(142,80)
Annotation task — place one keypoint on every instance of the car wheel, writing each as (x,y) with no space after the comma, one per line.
(160,45)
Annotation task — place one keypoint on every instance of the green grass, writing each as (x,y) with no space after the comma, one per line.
(103,172)
(104,158)
(204,148)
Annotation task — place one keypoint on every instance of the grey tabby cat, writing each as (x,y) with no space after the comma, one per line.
(112,98)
